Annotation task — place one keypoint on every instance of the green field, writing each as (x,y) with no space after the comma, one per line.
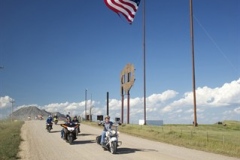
(10,139)
(214,138)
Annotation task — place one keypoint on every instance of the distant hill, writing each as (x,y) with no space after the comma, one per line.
(33,111)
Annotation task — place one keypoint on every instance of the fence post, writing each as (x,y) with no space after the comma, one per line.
(223,138)
(163,135)
(207,136)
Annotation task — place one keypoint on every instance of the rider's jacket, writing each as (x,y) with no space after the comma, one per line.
(74,121)
(49,120)
(68,117)
(107,126)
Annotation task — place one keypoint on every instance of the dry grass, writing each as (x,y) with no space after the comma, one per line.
(211,138)
(10,139)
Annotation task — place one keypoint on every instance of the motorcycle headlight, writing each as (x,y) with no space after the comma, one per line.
(70,128)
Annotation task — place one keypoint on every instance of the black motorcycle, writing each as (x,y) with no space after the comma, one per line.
(70,130)
(49,127)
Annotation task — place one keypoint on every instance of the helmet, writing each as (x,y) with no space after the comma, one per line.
(107,116)
(50,116)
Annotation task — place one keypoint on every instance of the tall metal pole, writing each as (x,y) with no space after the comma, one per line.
(144,63)
(108,103)
(193,64)
(85,104)
(1,67)
(12,101)
(90,110)
(122,111)
(128,106)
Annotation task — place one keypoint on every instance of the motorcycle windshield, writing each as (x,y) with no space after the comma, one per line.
(71,125)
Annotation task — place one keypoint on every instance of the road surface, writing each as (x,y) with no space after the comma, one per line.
(38,144)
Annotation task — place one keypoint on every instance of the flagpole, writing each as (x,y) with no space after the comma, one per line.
(144,63)
(193,64)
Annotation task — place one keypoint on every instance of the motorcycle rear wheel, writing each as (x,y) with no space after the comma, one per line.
(98,139)
(49,129)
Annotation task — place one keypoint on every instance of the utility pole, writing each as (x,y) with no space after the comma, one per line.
(144,64)
(85,104)
(12,101)
(1,67)
(90,110)
(107,103)
(193,65)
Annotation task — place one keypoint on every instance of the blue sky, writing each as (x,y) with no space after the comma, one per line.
(53,50)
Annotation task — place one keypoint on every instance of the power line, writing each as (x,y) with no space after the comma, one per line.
(214,42)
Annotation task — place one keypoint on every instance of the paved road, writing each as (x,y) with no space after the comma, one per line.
(38,144)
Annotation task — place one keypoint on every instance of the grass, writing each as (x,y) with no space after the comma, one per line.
(10,139)
(214,138)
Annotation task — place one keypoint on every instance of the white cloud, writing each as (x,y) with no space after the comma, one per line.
(212,104)
(156,98)
(179,111)
(237,110)
(5,102)
(227,95)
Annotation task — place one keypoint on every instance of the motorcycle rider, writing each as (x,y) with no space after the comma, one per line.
(107,125)
(55,117)
(67,116)
(49,120)
(63,131)
(75,120)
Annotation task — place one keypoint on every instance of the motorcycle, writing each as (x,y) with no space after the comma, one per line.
(111,139)
(70,131)
(49,127)
(55,121)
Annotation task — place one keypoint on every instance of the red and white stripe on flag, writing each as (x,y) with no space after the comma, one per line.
(127,7)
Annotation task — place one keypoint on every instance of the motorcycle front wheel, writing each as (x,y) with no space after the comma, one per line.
(113,147)
(70,139)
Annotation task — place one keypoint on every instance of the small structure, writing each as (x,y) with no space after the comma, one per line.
(100,117)
(151,122)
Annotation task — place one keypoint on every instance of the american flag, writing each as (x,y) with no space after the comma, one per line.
(127,7)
